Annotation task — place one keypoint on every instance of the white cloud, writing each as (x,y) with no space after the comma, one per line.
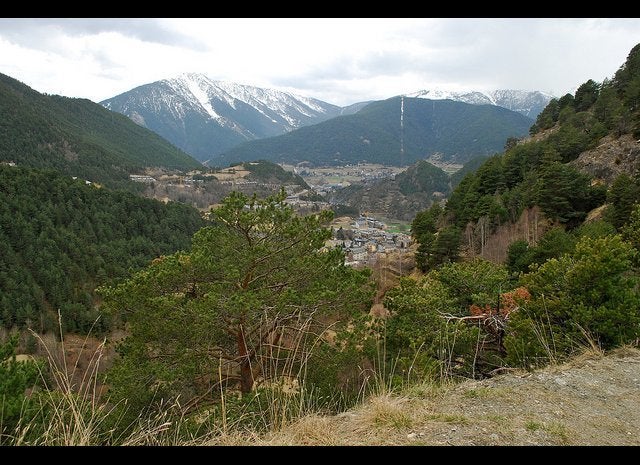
(338,60)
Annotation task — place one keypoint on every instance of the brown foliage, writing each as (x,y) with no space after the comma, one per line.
(509,301)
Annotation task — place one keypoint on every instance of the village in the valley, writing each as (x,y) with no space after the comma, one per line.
(327,179)
(365,240)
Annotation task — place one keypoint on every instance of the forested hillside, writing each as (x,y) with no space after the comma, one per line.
(538,172)
(266,172)
(470,167)
(78,137)
(568,274)
(539,175)
(59,238)
(456,130)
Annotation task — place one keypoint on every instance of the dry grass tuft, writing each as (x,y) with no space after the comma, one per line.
(310,430)
(429,389)
(72,413)
(388,412)
(625,351)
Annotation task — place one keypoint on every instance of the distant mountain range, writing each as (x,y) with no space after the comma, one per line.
(78,137)
(398,131)
(527,103)
(206,118)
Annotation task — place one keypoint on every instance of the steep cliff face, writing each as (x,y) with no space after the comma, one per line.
(612,157)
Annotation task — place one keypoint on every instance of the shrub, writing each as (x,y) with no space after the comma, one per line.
(588,294)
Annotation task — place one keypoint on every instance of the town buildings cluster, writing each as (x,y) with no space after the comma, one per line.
(367,240)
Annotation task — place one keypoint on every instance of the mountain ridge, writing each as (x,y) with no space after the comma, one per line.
(78,137)
(378,133)
(205,117)
(525,102)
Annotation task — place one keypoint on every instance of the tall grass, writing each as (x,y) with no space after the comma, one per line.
(549,345)
(70,412)
(73,410)
(282,394)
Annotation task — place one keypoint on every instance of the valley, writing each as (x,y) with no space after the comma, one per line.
(244,264)
(324,180)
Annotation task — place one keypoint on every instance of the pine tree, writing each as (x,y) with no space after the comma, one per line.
(245,290)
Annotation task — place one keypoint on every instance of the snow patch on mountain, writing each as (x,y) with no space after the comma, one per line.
(201,96)
(528,103)
(472,97)
(205,117)
(278,106)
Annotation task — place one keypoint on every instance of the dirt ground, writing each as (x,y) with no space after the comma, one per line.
(591,400)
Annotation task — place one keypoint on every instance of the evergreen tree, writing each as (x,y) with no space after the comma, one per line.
(622,196)
(248,288)
(591,292)
(631,230)
(15,378)
(586,95)
(547,118)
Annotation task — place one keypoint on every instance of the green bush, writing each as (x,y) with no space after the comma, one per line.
(16,378)
(337,375)
(588,296)
(424,333)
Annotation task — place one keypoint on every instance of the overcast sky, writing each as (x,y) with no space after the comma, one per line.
(341,61)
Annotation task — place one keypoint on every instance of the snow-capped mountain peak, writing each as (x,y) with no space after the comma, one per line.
(528,103)
(289,107)
(204,116)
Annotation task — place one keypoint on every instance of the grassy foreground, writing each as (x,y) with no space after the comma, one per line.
(589,400)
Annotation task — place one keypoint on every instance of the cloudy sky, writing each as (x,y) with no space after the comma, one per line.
(341,61)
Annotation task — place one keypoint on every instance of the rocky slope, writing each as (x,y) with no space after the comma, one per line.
(590,400)
(612,157)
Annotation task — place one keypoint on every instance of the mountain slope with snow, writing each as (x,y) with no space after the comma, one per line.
(206,117)
(527,103)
